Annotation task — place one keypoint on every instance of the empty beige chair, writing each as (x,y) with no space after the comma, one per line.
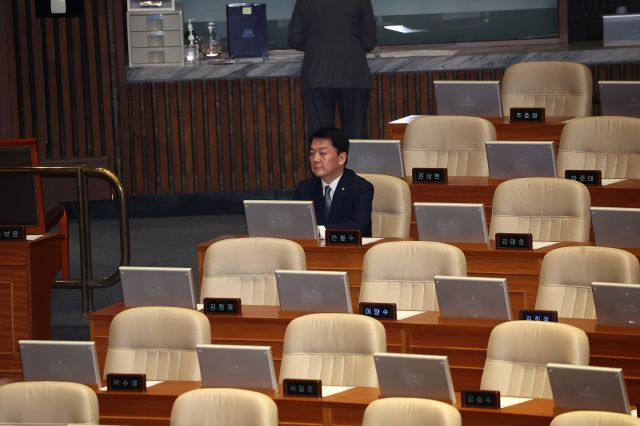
(610,144)
(566,275)
(158,341)
(391,213)
(551,209)
(224,407)
(244,268)
(518,352)
(562,88)
(335,348)
(594,418)
(401,272)
(410,412)
(48,403)
(454,142)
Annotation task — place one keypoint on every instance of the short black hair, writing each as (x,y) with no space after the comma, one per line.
(337,138)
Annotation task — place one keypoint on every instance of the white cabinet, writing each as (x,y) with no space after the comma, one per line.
(155,37)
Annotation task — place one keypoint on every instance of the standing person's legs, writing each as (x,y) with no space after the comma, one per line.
(353,104)
(319,108)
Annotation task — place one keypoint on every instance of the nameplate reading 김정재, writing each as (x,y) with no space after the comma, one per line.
(220,305)
(535,115)
(429,175)
(383,311)
(13,233)
(538,315)
(343,236)
(126,382)
(302,387)
(588,177)
(480,399)
(514,241)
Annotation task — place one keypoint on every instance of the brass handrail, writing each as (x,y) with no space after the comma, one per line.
(87,282)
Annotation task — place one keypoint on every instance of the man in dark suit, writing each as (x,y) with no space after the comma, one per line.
(335,36)
(342,199)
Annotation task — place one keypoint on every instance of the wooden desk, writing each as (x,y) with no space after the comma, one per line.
(153,407)
(27,272)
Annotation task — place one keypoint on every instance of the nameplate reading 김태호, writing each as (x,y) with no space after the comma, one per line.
(302,387)
(126,382)
(218,305)
(343,236)
(538,315)
(588,177)
(386,311)
(13,233)
(527,115)
(514,241)
(429,175)
(480,399)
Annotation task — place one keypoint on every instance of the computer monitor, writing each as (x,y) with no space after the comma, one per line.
(468,97)
(616,226)
(378,156)
(418,376)
(57,360)
(616,304)
(236,366)
(473,297)
(620,98)
(515,159)
(581,387)
(451,222)
(157,286)
(314,291)
(281,219)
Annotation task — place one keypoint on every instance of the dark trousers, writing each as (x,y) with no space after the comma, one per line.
(320,109)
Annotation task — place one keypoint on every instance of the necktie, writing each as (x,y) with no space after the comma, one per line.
(327,204)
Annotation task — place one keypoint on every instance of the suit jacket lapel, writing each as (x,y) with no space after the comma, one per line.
(341,193)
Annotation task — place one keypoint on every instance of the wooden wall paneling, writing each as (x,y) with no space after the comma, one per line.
(236,137)
(249,124)
(148,140)
(77,78)
(93,141)
(199,140)
(386,101)
(289,145)
(225,135)
(160,112)
(412,94)
(137,142)
(274,135)
(213,142)
(299,137)
(188,172)
(263,140)
(119,79)
(175,163)
(66,144)
(424,92)
(124,161)
(375,131)
(400,95)
(106,128)
(49,74)
(11,67)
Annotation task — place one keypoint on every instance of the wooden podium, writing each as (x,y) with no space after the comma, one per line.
(27,272)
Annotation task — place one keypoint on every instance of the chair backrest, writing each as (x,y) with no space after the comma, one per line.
(595,418)
(518,352)
(224,407)
(410,412)
(335,348)
(551,209)
(454,142)
(609,144)
(562,88)
(158,341)
(227,273)
(391,212)
(401,272)
(48,403)
(566,275)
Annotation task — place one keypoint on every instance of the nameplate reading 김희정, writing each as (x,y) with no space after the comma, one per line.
(13,233)
(381,311)
(343,236)
(514,241)
(126,382)
(480,398)
(429,175)
(587,177)
(302,387)
(535,115)
(222,305)
(538,315)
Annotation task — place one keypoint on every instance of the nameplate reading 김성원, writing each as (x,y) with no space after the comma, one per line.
(535,115)
(343,236)
(302,387)
(222,305)
(514,241)
(13,233)
(588,177)
(538,315)
(126,382)
(429,175)
(383,311)
(480,398)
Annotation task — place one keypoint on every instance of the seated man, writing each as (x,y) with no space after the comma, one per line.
(342,199)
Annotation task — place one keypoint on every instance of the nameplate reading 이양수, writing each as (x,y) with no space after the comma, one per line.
(587,177)
(535,115)
(343,236)
(383,311)
(222,305)
(538,315)
(429,175)
(302,387)
(126,382)
(514,241)
(480,398)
